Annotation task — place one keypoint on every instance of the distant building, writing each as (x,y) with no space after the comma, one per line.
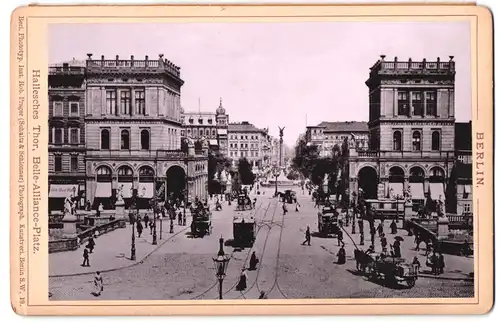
(328,134)
(133,128)
(463,166)
(250,142)
(210,125)
(412,131)
(66,131)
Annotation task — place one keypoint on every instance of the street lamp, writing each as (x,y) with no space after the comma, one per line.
(276,175)
(221,262)
(132,219)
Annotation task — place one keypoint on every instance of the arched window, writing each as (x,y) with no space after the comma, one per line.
(396,139)
(436,141)
(416,141)
(207,132)
(125,140)
(103,174)
(213,132)
(144,140)
(105,139)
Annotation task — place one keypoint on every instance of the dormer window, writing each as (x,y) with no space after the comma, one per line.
(191,121)
(209,121)
(200,121)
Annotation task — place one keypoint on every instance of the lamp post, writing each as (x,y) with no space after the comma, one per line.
(186,193)
(221,262)
(132,219)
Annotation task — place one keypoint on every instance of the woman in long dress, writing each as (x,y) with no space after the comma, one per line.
(242,284)
(98,284)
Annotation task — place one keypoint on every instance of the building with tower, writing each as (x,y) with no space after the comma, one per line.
(411,129)
(133,133)
(209,125)
(66,91)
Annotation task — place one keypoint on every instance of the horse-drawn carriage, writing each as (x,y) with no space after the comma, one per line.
(393,270)
(289,196)
(328,221)
(202,221)
(244,230)
(244,202)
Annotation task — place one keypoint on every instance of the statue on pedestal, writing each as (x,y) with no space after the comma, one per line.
(119,195)
(408,195)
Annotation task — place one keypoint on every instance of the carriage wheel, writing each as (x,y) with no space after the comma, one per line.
(410,282)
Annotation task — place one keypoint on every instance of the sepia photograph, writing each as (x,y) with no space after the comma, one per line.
(260,160)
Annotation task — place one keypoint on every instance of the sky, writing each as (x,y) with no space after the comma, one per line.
(275,74)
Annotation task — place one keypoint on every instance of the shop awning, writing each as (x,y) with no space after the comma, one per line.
(125,188)
(395,189)
(436,189)
(103,190)
(63,190)
(468,188)
(213,142)
(146,190)
(417,190)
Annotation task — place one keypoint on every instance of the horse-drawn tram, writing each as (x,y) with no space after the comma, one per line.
(244,202)
(244,230)
(328,221)
(202,222)
(393,270)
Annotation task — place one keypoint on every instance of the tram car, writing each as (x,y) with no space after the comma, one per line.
(244,202)
(328,219)
(244,231)
(289,196)
(202,222)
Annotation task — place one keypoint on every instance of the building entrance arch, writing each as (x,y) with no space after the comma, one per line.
(176,182)
(368,182)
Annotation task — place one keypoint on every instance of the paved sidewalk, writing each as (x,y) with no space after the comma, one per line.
(112,250)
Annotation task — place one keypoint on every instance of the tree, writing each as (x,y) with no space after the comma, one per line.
(305,158)
(216,163)
(245,172)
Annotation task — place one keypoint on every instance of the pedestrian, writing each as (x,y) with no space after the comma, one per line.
(297,207)
(254,202)
(308,237)
(361,239)
(380,229)
(441,263)
(372,234)
(341,256)
(360,225)
(139,228)
(434,263)
(86,261)
(242,283)
(416,262)
(340,237)
(394,227)
(396,247)
(184,220)
(146,220)
(100,209)
(417,241)
(383,242)
(428,248)
(179,219)
(151,227)
(262,295)
(253,262)
(98,284)
(91,244)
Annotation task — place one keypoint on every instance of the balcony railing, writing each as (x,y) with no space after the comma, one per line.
(161,154)
(70,70)
(405,154)
(132,64)
(420,66)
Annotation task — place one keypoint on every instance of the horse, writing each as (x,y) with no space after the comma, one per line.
(363,260)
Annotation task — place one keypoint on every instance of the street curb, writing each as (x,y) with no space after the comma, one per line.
(137,262)
(466,279)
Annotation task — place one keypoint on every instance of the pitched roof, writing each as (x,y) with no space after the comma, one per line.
(243,127)
(348,126)
(463,136)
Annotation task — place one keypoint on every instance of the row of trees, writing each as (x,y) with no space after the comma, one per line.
(217,163)
(310,164)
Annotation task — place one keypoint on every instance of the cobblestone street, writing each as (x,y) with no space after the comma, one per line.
(181,267)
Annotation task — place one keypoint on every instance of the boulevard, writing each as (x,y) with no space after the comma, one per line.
(181,267)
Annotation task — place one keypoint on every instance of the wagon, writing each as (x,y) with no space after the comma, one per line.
(393,270)
(244,203)
(244,230)
(202,222)
(328,221)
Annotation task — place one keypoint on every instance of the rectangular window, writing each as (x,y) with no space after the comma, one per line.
(58,135)
(73,136)
(125,102)
(74,163)
(57,109)
(403,103)
(74,108)
(417,103)
(51,136)
(140,102)
(111,102)
(430,101)
(256,153)
(242,145)
(57,163)
(467,207)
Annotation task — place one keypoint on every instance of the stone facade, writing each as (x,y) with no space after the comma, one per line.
(66,123)
(250,142)
(411,130)
(328,134)
(133,133)
(208,125)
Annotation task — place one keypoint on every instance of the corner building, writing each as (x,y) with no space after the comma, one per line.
(411,128)
(133,127)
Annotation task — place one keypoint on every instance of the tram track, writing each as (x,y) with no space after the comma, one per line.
(200,296)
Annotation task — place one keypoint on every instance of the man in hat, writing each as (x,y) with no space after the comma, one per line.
(308,237)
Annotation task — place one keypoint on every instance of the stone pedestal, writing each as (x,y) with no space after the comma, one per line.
(69,224)
(120,210)
(409,213)
(443,227)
